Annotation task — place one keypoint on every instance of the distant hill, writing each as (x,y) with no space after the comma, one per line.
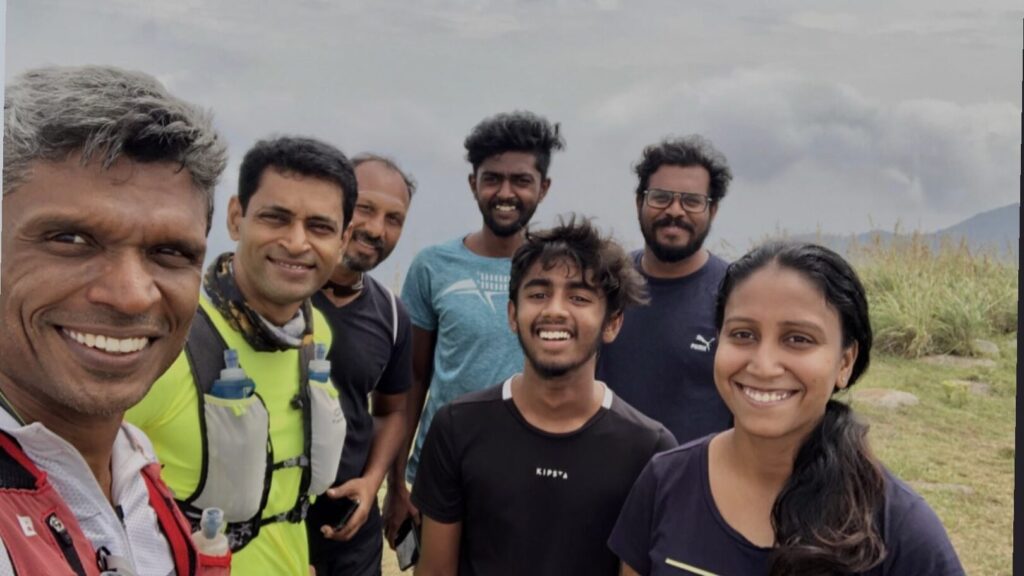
(995,230)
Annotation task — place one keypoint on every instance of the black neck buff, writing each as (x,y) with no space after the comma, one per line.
(219,283)
(343,291)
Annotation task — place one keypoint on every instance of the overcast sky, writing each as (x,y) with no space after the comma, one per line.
(841,119)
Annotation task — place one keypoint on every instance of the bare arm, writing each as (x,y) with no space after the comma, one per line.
(439,549)
(627,571)
(388,433)
(397,505)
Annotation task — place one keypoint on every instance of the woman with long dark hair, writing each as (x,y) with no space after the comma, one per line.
(792,488)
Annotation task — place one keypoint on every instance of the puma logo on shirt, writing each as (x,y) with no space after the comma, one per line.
(701,344)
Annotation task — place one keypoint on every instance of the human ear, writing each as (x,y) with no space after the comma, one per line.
(234,218)
(512,324)
(846,362)
(611,328)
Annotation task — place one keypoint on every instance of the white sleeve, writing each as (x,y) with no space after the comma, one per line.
(6,569)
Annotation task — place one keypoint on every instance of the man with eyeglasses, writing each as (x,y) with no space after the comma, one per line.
(662,361)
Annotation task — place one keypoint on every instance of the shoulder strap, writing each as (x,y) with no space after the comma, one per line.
(306,353)
(173,525)
(394,316)
(17,471)
(204,349)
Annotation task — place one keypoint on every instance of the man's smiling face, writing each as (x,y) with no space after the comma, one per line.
(100,279)
(289,241)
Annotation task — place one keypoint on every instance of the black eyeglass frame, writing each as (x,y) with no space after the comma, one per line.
(682,197)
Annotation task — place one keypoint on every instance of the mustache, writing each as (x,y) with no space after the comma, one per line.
(673,221)
(362,236)
(514,201)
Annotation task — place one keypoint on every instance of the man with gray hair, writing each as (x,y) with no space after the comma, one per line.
(108,185)
(371,358)
(662,361)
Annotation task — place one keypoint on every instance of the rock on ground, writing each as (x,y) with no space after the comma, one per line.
(986,348)
(959,361)
(884,398)
(976,388)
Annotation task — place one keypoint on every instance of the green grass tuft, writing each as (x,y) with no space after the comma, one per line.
(926,301)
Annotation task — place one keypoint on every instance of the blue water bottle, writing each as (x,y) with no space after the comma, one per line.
(320,366)
(233,383)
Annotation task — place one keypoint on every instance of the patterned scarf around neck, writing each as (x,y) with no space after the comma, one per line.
(219,283)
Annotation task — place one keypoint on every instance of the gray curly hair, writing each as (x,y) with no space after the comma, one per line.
(106,112)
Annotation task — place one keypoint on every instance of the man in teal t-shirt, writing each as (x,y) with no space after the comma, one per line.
(457,292)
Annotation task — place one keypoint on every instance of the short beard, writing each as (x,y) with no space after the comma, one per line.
(504,231)
(552,371)
(672,254)
(358,264)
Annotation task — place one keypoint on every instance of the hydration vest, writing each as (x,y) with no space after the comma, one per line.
(236,431)
(42,535)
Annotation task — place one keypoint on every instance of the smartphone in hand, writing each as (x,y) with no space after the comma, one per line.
(407,544)
(350,506)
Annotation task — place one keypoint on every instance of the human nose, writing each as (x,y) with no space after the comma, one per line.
(295,240)
(126,285)
(374,226)
(765,362)
(675,205)
(555,307)
(505,187)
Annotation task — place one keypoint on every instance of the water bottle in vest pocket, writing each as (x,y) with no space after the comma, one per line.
(327,424)
(237,444)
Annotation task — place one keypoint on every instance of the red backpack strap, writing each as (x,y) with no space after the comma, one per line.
(172,522)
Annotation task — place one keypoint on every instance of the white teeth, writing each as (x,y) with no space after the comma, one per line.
(292,266)
(766,396)
(554,335)
(108,343)
(505,207)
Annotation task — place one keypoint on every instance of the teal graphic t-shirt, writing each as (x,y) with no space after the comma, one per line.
(464,298)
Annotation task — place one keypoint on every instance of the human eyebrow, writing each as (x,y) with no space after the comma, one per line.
(275,210)
(585,286)
(804,325)
(322,221)
(537,283)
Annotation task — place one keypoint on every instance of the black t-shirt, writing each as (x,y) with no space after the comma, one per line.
(670,525)
(662,361)
(532,502)
(367,354)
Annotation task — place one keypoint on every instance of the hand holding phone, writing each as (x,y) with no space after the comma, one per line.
(351,505)
(408,544)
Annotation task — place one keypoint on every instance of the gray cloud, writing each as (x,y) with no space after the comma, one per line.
(876,112)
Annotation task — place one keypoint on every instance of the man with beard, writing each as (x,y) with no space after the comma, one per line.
(371,356)
(662,360)
(528,477)
(456,292)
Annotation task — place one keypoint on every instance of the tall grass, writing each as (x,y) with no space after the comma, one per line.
(927,300)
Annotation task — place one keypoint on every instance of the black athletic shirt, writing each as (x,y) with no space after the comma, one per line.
(367,354)
(662,361)
(532,502)
(671,526)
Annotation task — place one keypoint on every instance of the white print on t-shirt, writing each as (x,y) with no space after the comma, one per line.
(486,286)
(688,568)
(552,473)
(701,344)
